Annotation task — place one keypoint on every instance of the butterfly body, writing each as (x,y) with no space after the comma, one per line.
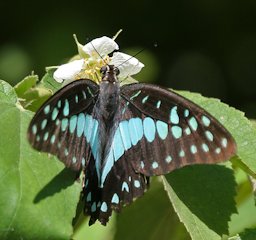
(120,136)
(107,114)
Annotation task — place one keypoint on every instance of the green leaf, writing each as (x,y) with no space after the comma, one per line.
(30,96)
(48,81)
(245,205)
(240,127)
(150,217)
(203,197)
(25,85)
(7,93)
(248,234)
(96,231)
(37,197)
(35,97)
(253,121)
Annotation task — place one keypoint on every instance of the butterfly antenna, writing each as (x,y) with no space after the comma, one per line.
(155,45)
(128,60)
(99,54)
(133,56)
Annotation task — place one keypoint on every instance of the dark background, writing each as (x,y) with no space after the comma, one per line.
(203,46)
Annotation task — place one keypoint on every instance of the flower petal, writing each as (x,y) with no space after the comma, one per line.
(102,46)
(68,71)
(126,64)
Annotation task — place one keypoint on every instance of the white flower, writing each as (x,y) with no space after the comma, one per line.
(102,46)
(95,56)
(126,64)
(68,71)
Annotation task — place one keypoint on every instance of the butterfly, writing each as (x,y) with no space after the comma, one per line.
(122,135)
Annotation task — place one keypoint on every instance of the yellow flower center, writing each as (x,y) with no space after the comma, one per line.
(91,68)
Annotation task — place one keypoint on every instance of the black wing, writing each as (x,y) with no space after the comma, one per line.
(61,125)
(175,131)
(158,132)
(121,187)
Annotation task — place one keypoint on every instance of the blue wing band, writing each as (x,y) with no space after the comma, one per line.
(128,134)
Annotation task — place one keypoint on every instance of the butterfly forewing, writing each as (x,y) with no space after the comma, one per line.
(168,131)
(60,125)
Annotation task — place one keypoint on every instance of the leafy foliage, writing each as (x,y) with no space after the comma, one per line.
(38,197)
(248,234)
(204,204)
(24,173)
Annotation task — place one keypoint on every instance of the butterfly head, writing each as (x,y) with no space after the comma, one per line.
(109,73)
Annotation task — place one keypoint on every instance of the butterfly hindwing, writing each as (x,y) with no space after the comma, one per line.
(118,183)
(121,186)
(168,131)
(61,125)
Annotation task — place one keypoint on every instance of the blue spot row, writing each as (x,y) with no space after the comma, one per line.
(66,108)
(182,153)
(168,159)
(34,129)
(193,149)
(158,104)
(135,95)
(55,113)
(174,117)
(104,207)
(205,147)
(176,131)
(64,124)
(162,129)
(224,142)
(80,124)
(206,121)
(84,94)
(144,99)
(52,139)
(187,131)
(57,122)
(72,123)
(93,207)
(209,135)
(76,99)
(47,109)
(43,124)
(193,123)
(142,165)
(115,199)
(186,113)
(89,197)
(136,183)
(89,91)
(125,187)
(46,136)
(154,165)
(218,150)
(149,129)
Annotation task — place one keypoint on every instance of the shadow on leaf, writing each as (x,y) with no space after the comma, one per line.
(208,191)
(61,181)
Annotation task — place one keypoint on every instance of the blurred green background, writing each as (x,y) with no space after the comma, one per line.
(202,46)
